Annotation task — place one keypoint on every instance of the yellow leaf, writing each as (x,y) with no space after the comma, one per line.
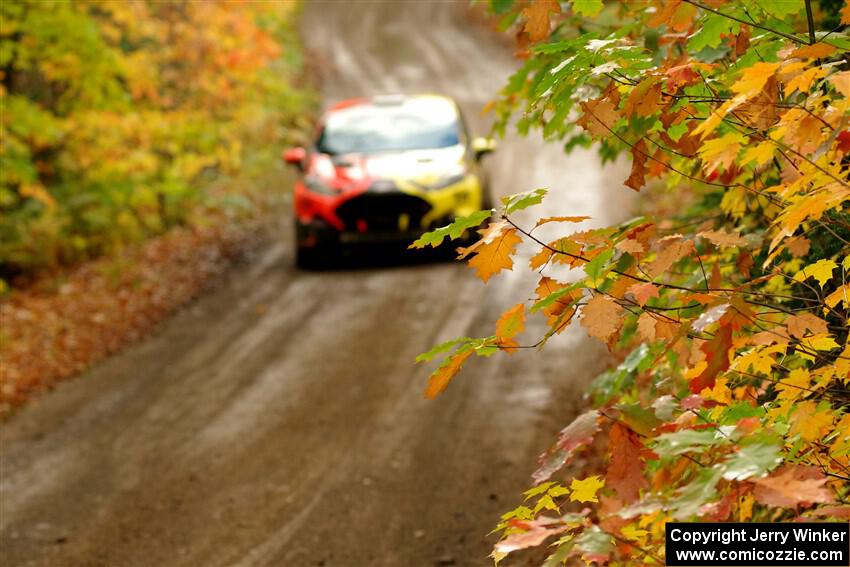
(819,342)
(720,152)
(761,154)
(585,490)
(820,270)
(809,423)
(745,508)
(754,78)
(840,294)
(804,80)
(795,384)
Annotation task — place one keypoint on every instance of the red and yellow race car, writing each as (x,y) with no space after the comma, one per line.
(385,169)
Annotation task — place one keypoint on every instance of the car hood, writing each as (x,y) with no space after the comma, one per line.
(423,167)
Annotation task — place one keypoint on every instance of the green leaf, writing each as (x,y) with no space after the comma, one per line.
(596,268)
(676,131)
(781,8)
(453,230)
(588,8)
(501,6)
(693,496)
(640,419)
(685,441)
(750,461)
(522,201)
(709,34)
(441,348)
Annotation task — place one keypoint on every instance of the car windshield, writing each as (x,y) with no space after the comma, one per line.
(418,123)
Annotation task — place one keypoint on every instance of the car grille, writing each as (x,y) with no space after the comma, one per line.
(382,212)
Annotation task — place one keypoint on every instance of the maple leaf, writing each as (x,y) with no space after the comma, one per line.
(720,152)
(535,532)
(576,435)
(845,13)
(588,8)
(643,292)
(723,238)
(547,220)
(493,252)
(791,486)
(760,153)
(646,326)
(716,353)
(795,385)
(809,423)
(452,231)
(585,490)
(754,78)
(511,323)
(625,472)
(644,98)
(637,178)
(665,259)
(440,378)
(799,324)
(522,201)
(537,18)
(601,317)
(820,270)
(599,117)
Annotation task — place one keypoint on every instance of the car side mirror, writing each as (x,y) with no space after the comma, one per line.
(294,156)
(482,147)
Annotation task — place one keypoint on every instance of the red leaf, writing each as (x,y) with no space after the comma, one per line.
(625,472)
(573,437)
(717,354)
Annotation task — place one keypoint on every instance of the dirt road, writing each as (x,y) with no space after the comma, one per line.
(279,420)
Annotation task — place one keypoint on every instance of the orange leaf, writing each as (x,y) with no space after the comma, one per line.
(723,238)
(815,51)
(537,18)
(667,257)
(625,472)
(643,292)
(637,178)
(440,378)
(799,324)
(511,323)
(493,252)
(791,486)
(601,317)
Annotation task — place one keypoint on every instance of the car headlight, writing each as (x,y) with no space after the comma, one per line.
(316,185)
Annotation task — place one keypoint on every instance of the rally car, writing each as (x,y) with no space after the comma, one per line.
(384,169)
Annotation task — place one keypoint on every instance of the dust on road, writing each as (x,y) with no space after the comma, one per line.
(296,433)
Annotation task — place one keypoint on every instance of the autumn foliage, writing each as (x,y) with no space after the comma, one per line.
(726,305)
(116,117)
